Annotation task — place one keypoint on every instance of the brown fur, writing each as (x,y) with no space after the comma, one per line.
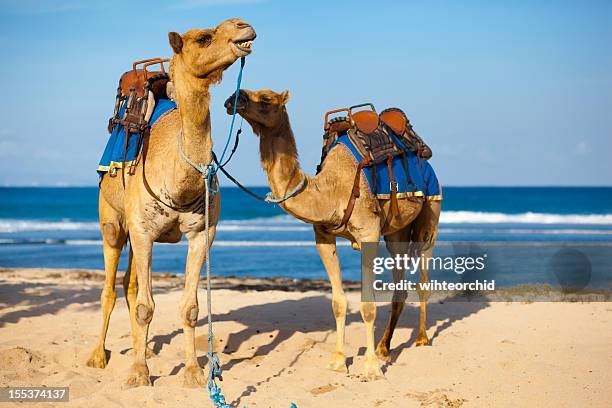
(200,57)
(322,203)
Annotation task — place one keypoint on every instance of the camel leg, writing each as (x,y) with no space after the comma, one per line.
(193,374)
(114,237)
(424,232)
(368,314)
(326,245)
(396,244)
(142,246)
(130,288)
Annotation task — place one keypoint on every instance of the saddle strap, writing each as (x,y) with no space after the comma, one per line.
(354,192)
(394,205)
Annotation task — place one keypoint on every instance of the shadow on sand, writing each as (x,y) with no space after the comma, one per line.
(280,320)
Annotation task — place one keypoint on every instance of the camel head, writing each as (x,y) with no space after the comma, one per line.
(207,53)
(263,109)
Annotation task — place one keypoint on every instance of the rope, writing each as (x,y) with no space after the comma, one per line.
(202,168)
(208,171)
(269,197)
(214,365)
(236,93)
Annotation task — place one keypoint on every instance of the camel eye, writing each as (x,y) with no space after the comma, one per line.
(204,40)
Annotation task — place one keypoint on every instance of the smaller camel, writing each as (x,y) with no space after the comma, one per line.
(322,202)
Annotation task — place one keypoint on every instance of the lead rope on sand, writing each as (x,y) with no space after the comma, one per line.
(208,172)
(214,365)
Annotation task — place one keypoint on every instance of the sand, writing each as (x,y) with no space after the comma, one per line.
(276,344)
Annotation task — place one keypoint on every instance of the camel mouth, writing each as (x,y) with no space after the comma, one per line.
(243,45)
(241,103)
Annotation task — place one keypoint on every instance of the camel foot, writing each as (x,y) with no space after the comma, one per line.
(422,340)
(139,376)
(337,362)
(97,358)
(371,369)
(382,351)
(194,377)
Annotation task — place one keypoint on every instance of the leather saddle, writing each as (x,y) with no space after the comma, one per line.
(137,93)
(375,135)
(138,90)
(378,138)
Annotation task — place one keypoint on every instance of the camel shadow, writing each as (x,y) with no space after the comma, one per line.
(281,320)
(441,315)
(36,299)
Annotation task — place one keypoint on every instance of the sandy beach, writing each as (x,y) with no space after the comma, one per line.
(275,345)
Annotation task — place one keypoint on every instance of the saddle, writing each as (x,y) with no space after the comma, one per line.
(139,88)
(378,138)
(137,93)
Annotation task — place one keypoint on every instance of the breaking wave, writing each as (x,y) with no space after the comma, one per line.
(285,223)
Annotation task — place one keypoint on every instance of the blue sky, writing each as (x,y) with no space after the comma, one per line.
(506,93)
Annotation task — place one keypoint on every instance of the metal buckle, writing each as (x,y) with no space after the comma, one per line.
(396,186)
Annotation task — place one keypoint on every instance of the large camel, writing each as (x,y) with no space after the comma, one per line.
(200,57)
(322,202)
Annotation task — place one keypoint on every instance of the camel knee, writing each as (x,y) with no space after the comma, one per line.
(190,314)
(339,305)
(368,311)
(111,234)
(108,294)
(423,295)
(144,314)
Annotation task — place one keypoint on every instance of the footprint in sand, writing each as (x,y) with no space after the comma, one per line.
(442,398)
(323,389)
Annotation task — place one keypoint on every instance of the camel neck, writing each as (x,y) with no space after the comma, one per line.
(192,95)
(279,158)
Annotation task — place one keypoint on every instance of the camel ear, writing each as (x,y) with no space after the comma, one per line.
(176,42)
(284,97)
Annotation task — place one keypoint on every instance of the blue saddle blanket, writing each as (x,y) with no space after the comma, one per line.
(420,180)
(113,157)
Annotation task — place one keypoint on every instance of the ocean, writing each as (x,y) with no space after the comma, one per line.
(58,228)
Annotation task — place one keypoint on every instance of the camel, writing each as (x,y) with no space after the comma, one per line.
(322,202)
(199,58)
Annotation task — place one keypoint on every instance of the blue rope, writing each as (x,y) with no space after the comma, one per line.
(214,365)
(215,167)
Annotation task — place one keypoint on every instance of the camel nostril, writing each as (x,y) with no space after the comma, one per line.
(242,24)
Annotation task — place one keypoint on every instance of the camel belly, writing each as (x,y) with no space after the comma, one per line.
(170,236)
(409,209)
